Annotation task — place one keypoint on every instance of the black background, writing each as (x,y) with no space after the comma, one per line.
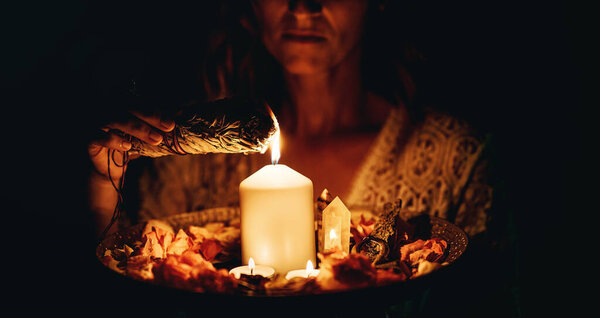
(523,70)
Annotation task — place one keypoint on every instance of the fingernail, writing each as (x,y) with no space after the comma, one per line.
(126,145)
(154,136)
(167,124)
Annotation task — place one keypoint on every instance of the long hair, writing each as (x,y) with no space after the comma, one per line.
(237,63)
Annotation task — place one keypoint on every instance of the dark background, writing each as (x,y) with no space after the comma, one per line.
(523,70)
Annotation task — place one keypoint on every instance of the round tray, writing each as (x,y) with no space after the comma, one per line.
(440,228)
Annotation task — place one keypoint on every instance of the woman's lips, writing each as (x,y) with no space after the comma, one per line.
(303,36)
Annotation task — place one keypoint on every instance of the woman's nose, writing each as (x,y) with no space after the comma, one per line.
(304,6)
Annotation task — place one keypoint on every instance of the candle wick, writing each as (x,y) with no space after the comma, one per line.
(252,272)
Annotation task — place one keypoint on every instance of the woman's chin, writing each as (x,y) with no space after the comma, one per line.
(305,67)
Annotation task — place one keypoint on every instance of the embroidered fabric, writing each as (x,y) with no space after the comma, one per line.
(435,167)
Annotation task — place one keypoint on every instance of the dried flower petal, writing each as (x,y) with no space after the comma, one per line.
(426,267)
(180,244)
(361,229)
(342,271)
(210,248)
(387,276)
(418,251)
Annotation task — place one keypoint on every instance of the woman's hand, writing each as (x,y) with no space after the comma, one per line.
(146,127)
(107,154)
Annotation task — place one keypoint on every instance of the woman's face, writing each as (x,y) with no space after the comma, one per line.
(310,36)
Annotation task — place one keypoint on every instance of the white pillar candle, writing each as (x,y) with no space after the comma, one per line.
(277,217)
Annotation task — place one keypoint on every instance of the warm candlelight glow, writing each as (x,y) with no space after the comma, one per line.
(309,268)
(275,153)
(333,241)
(251,265)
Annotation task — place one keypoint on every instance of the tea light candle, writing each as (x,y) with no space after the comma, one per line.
(277,217)
(310,271)
(252,269)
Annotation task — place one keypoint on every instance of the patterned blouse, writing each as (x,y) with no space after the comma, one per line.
(436,167)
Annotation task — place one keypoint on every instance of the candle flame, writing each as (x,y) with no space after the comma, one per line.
(275,153)
(332,235)
(274,135)
(251,265)
(309,268)
(274,140)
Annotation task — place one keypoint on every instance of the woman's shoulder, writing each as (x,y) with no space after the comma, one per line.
(449,124)
(451,138)
(443,144)
(416,120)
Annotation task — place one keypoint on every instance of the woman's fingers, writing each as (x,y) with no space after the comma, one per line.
(112,141)
(155,120)
(140,129)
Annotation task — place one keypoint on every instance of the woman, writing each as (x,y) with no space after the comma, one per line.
(348,111)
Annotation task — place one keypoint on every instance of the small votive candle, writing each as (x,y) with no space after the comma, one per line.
(310,271)
(252,269)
